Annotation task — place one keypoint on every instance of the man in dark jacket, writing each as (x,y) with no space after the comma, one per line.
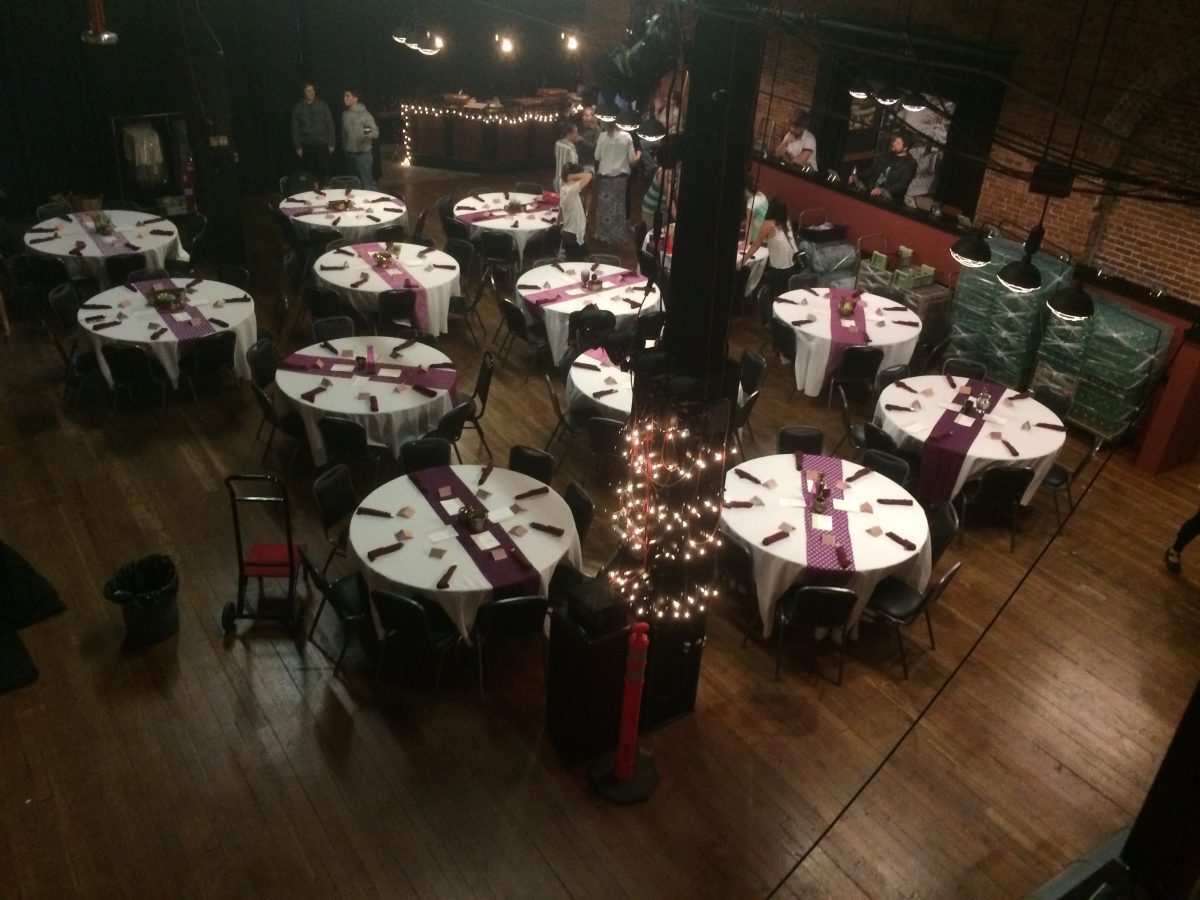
(312,134)
(891,173)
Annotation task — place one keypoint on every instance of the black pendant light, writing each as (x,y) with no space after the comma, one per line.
(972,251)
(1022,276)
(1072,303)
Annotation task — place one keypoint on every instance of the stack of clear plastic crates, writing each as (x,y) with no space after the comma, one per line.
(835,263)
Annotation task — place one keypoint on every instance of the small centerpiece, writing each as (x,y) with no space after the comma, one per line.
(593,283)
(338,205)
(820,497)
(474,519)
(382,258)
(168,299)
(983,402)
(512,207)
(846,308)
(102,224)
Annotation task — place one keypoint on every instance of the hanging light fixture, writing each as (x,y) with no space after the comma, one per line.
(606,112)
(859,89)
(628,120)
(887,96)
(97,33)
(1022,276)
(570,42)
(914,101)
(651,130)
(505,44)
(972,251)
(430,45)
(1072,303)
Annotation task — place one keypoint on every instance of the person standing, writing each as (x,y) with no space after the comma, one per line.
(756,210)
(890,175)
(1187,533)
(573,180)
(799,145)
(565,151)
(313,137)
(777,235)
(359,132)
(615,157)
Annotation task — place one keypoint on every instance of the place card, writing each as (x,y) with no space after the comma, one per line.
(964,420)
(436,537)
(518,530)
(841,485)
(197,321)
(875,531)
(843,505)
(341,368)
(483,493)
(499,553)
(821,522)
(388,374)
(182,316)
(445,491)
(217,304)
(927,392)
(400,388)
(485,540)
(866,507)
(326,383)
(516,509)
(828,539)
(363,395)
(610,380)
(757,500)
(124,304)
(787,526)
(452,506)
(348,354)
(406,512)
(404,535)
(770,483)
(1026,427)
(502,514)
(437,552)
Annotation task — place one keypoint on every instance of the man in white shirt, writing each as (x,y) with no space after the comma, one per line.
(565,151)
(573,180)
(799,146)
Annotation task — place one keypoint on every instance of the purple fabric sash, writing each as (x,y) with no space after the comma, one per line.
(183,331)
(105,247)
(822,558)
(293,211)
(486,215)
(398,278)
(535,300)
(599,355)
(942,457)
(841,337)
(438,379)
(513,573)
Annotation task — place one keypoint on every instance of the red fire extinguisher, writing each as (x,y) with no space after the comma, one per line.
(189,184)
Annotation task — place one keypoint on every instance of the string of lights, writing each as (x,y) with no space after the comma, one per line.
(483,116)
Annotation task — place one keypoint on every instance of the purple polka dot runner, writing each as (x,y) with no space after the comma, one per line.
(947,444)
(841,337)
(439,379)
(109,245)
(574,290)
(514,573)
(821,557)
(293,211)
(195,327)
(398,278)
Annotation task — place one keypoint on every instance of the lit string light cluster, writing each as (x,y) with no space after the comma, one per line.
(667,519)
(487,117)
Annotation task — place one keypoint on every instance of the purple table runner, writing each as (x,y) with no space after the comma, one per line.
(114,247)
(438,379)
(599,354)
(841,337)
(942,457)
(821,557)
(183,331)
(535,300)
(513,572)
(486,215)
(398,278)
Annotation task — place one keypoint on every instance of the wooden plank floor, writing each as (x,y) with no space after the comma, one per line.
(205,767)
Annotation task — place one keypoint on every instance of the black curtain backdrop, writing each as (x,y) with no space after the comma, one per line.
(235,67)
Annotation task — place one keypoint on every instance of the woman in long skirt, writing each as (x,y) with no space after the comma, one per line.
(614,157)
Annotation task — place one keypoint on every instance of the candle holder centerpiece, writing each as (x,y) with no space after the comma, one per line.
(102,224)
(168,299)
(473,519)
(383,258)
(512,207)
(338,205)
(820,497)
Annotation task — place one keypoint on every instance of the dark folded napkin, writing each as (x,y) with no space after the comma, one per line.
(549,221)
(42,240)
(326,268)
(381,200)
(349,191)
(445,365)
(950,381)
(310,396)
(737,504)
(132,246)
(373,555)
(604,393)
(66,218)
(371,511)
(421,254)
(486,473)
(465,208)
(158,333)
(576,364)
(903,542)
(1049,425)
(372,218)
(515,224)
(373,403)
(533,492)
(95,306)
(555,265)
(77,250)
(905,387)
(238,300)
(342,251)
(162,232)
(548,529)
(798,322)
(336,219)
(905,322)
(747,476)
(894,501)
(293,200)
(528,287)
(319,192)
(843,557)
(425,391)
(772,538)
(361,280)
(325,345)
(444,581)
(1023,395)
(450,266)
(634,303)
(101,326)
(894,408)
(95,318)
(595,266)
(37,230)
(478,197)
(865,470)
(194,282)
(1012,451)
(393,209)
(894,309)
(400,348)
(220,322)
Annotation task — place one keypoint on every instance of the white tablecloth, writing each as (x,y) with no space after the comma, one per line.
(403,412)
(436,272)
(757,264)
(627,299)
(785,562)
(883,320)
(614,386)
(1036,447)
(487,211)
(353,223)
(131,228)
(142,322)
(412,569)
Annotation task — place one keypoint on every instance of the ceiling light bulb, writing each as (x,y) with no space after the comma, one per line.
(914,102)
(859,90)
(506,45)
(572,43)
(887,96)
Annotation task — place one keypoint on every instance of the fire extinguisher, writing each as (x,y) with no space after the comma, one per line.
(189,184)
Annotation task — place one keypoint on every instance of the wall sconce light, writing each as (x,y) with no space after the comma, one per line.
(570,42)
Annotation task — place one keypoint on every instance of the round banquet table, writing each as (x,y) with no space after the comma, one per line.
(966,445)
(420,518)
(857,522)
(368,211)
(124,315)
(74,240)
(357,278)
(551,293)
(594,383)
(757,264)
(886,324)
(400,384)
(487,211)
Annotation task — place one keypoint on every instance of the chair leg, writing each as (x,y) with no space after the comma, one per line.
(1012,533)
(929,625)
(779,652)
(320,608)
(342,655)
(900,644)
(841,655)
(1057,516)
(479,664)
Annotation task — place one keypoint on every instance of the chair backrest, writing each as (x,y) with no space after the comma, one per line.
(450,425)
(647,264)
(890,375)
(800,439)
(348,595)
(783,337)
(47,271)
(212,353)
(483,382)
(419,227)
(1055,401)
(455,229)
(935,590)
(263,360)
(560,418)
(860,362)
(527,187)
(818,606)
(639,233)
(265,406)
(397,308)
(943,526)
(127,363)
(582,507)
(462,252)
(322,303)
(296,183)
(511,617)
(343,438)
(844,405)
(333,493)
(966,368)
(498,247)
(331,328)
(650,325)
(424,453)
(742,411)
(595,325)
(887,465)
(238,276)
(532,462)
(50,210)
(445,207)
(391,234)
(514,319)
(752,371)
(803,280)
(118,268)
(63,303)
(605,259)
(342,182)
(878,439)
(1002,487)
(402,617)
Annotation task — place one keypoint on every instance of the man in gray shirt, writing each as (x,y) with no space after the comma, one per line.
(312,134)
(358,132)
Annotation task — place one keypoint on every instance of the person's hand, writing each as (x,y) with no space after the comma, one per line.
(331,148)
(299,151)
(876,192)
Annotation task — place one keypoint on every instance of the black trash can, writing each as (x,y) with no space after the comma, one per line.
(145,591)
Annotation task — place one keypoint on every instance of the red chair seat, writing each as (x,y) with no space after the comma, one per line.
(272,561)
